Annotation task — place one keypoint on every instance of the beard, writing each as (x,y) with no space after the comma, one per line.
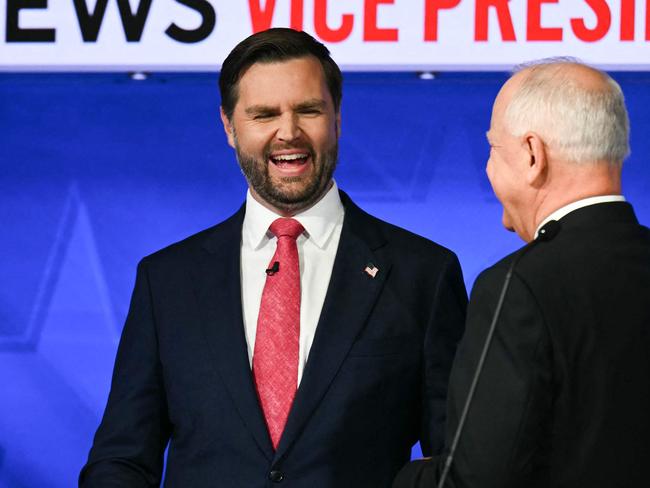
(289,194)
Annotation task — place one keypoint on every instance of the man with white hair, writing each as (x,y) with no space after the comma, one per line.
(562,398)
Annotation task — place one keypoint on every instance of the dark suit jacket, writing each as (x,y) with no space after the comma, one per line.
(564,399)
(374,384)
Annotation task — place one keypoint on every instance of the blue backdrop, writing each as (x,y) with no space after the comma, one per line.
(98,170)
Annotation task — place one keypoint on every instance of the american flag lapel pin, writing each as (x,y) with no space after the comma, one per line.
(371,270)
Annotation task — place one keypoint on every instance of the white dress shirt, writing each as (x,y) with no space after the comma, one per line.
(316,250)
(585,202)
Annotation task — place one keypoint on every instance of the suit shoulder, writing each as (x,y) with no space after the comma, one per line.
(182,247)
(376,229)
(646,232)
(186,248)
(527,261)
(404,239)
(493,274)
(538,261)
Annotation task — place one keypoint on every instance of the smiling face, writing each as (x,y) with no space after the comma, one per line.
(285,129)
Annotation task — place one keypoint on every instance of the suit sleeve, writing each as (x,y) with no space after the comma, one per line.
(504,437)
(129,444)
(444,330)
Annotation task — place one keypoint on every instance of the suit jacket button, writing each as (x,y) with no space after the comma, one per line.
(276,476)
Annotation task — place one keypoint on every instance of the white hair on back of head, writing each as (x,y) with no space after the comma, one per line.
(583,124)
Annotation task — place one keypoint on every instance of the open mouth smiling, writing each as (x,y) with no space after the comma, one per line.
(290,163)
(290,159)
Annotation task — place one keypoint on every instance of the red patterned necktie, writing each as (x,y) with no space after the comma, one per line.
(275,358)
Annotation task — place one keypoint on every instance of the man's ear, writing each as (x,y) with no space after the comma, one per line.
(537,170)
(227,127)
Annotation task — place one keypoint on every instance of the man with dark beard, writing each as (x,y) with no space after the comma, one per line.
(301,341)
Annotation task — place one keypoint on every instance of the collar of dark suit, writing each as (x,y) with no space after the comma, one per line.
(356,222)
(600,214)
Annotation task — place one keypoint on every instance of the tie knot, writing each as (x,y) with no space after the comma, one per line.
(284,227)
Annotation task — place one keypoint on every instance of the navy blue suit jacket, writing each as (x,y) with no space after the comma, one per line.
(374,384)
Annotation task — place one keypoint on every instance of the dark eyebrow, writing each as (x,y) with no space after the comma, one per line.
(311,104)
(314,103)
(260,109)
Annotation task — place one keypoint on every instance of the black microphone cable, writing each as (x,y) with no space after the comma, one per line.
(546,233)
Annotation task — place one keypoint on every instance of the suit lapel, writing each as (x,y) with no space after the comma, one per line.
(218,288)
(350,297)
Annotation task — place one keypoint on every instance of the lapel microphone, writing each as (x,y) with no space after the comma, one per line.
(546,233)
(273,269)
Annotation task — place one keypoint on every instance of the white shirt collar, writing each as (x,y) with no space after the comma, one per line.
(319,220)
(585,202)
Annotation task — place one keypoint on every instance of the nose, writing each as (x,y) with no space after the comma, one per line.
(288,128)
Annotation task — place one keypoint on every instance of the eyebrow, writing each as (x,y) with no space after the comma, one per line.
(313,103)
(260,109)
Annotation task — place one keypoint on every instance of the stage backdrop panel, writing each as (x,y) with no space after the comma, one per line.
(98,170)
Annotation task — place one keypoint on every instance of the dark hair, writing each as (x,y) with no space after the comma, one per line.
(277,44)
